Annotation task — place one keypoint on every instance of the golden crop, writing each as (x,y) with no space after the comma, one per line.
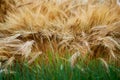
(31,27)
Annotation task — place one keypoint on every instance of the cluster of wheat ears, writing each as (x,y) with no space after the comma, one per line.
(30,28)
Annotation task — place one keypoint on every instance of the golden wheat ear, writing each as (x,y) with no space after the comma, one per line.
(115,27)
(5,7)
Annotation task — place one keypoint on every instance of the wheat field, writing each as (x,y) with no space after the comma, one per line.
(31,28)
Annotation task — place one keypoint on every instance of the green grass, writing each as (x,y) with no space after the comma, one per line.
(60,69)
